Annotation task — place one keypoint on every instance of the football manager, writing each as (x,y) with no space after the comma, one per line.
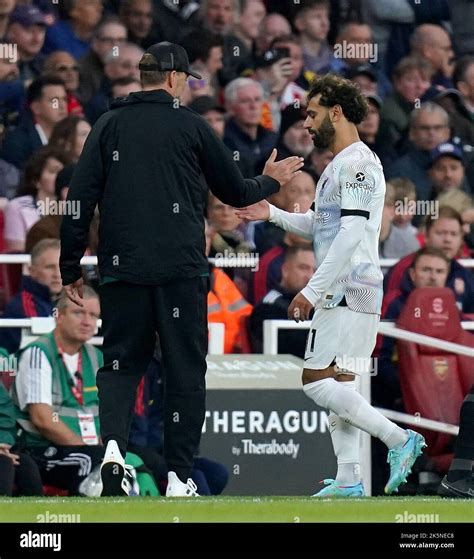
(148,164)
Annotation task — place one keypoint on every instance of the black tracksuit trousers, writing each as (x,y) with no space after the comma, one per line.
(131,316)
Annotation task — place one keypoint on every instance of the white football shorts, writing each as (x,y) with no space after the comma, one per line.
(342,337)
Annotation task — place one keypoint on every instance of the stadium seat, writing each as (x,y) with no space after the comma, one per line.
(433,381)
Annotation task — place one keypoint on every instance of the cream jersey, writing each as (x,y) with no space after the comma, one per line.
(344,224)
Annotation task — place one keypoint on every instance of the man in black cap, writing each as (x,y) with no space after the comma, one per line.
(142,163)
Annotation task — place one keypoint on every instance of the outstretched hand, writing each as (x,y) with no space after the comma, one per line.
(283,171)
(255,212)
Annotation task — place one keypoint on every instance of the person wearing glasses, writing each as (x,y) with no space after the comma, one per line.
(429,127)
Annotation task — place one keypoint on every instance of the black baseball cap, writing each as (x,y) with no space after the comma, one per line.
(205,103)
(362,70)
(168,56)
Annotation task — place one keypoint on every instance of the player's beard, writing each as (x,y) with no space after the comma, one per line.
(323,136)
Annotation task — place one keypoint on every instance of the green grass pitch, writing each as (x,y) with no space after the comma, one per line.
(237,509)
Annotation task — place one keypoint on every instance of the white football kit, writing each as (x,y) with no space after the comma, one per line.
(346,289)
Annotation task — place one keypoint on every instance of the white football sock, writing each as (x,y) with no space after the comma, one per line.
(350,406)
(345,441)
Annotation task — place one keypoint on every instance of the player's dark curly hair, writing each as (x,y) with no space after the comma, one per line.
(335,90)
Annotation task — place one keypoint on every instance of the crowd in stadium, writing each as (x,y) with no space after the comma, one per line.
(62,63)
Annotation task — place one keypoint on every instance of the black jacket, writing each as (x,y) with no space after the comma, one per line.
(143,164)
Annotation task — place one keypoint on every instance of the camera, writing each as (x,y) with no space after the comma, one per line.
(271,56)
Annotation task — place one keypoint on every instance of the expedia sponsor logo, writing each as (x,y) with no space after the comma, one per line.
(361,185)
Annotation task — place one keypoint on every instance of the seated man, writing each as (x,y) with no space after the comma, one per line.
(19,474)
(430,268)
(297,269)
(38,291)
(55,396)
(446,233)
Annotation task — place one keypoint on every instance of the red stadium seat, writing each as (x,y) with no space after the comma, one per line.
(434,382)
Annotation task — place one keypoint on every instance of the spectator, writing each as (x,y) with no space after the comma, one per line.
(312,23)
(247,28)
(433,43)
(19,474)
(122,87)
(137,16)
(47,101)
(459,103)
(225,302)
(319,159)
(110,34)
(6,8)
(220,16)
(297,269)
(120,63)
(354,47)
(402,235)
(146,437)
(214,114)
(74,31)
(446,169)
(369,131)
(429,127)
(172,20)
(445,233)
(55,396)
(27,28)
(273,25)
(37,186)
(69,136)
(365,77)
(388,214)
(381,15)
(411,80)
(62,65)
(205,49)
(244,134)
(12,93)
(429,268)
(229,237)
(48,227)
(296,197)
(297,83)
(294,138)
(38,291)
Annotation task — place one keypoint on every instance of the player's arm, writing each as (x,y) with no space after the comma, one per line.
(299,223)
(356,202)
(85,190)
(225,180)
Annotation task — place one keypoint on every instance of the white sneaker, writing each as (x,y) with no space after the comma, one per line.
(176,488)
(112,472)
